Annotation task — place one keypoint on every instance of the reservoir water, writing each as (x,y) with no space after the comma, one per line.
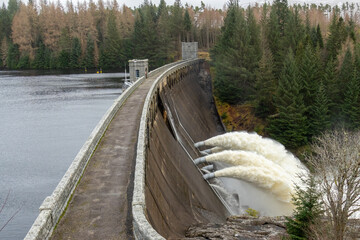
(44,121)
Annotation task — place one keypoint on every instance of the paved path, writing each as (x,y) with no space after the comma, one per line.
(101,205)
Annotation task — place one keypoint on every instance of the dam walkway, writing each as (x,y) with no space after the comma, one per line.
(100,207)
(134,178)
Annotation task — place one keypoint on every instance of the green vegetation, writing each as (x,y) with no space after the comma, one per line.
(252,212)
(308,209)
(300,81)
(102,34)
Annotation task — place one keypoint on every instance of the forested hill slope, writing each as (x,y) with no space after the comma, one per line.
(298,67)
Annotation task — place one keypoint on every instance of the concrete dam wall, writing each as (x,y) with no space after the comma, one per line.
(166,192)
(180,113)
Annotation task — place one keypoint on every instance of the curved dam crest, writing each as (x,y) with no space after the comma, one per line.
(170,194)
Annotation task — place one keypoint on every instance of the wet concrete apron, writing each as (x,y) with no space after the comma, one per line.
(101,205)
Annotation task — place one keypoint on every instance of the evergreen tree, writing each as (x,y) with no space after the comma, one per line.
(345,73)
(163,32)
(75,53)
(13,56)
(350,106)
(332,91)
(294,30)
(320,111)
(290,125)
(265,86)
(5,23)
(13,7)
(282,11)
(24,62)
(310,76)
(274,40)
(233,59)
(145,38)
(88,61)
(308,209)
(111,54)
(336,38)
(254,32)
(64,60)
(319,37)
(176,23)
(187,25)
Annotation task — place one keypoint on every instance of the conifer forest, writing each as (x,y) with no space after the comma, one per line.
(297,65)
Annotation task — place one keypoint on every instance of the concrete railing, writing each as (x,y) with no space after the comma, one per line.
(141,226)
(53,206)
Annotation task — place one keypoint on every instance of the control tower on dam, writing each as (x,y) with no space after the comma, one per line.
(135,177)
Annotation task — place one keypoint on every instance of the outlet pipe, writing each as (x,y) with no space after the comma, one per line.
(209,176)
(199,144)
(200,160)
(208,167)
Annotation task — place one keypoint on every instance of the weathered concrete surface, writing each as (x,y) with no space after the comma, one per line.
(99,208)
(176,194)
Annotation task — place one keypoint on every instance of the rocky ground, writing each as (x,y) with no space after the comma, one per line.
(248,228)
(240,227)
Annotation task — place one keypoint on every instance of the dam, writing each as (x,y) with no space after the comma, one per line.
(135,177)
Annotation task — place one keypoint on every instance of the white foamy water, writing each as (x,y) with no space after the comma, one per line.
(264,172)
(264,178)
(255,168)
(266,147)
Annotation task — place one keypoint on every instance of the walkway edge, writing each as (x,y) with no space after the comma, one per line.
(141,226)
(54,206)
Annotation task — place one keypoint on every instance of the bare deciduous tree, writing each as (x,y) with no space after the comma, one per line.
(336,162)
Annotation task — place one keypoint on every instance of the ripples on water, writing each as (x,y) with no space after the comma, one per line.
(44,121)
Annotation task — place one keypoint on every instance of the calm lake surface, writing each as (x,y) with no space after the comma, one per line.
(44,121)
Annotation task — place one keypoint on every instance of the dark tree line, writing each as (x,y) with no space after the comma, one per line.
(299,81)
(99,35)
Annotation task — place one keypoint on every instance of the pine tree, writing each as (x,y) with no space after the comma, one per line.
(163,33)
(274,40)
(187,25)
(290,125)
(320,111)
(308,209)
(88,61)
(64,60)
(234,59)
(319,37)
(331,87)
(75,53)
(176,23)
(13,7)
(294,30)
(24,62)
(5,23)
(13,56)
(282,11)
(345,73)
(255,41)
(350,106)
(310,76)
(42,57)
(336,37)
(265,86)
(111,53)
